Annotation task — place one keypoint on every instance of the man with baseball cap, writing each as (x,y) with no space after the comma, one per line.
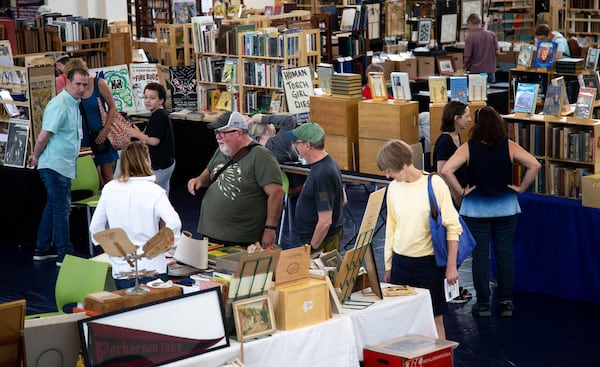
(319,215)
(242,203)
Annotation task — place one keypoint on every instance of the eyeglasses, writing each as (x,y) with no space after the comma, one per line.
(221,134)
(299,142)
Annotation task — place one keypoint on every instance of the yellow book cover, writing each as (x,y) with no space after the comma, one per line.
(214,99)
(438,91)
(225,101)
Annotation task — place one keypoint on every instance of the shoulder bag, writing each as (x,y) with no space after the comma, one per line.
(117,135)
(466,242)
(93,135)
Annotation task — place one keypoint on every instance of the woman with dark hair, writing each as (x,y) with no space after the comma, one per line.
(456,117)
(489,204)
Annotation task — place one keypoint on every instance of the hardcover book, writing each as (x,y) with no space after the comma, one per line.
(544,56)
(591,61)
(525,98)
(459,89)
(525,55)
(560,81)
(478,87)
(438,91)
(16,144)
(400,86)
(589,81)
(553,102)
(585,103)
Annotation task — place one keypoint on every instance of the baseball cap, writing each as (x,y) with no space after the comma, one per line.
(308,131)
(233,120)
(60,57)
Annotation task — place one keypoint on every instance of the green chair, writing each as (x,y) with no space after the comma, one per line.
(77,278)
(87,183)
(285,182)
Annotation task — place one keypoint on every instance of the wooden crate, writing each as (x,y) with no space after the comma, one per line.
(335,115)
(388,120)
(343,150)
(103,303)
(301,303)
(408,66)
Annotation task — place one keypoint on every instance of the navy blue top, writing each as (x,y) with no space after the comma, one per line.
(443,150)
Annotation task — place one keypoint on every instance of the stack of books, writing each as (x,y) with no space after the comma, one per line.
(346,85)
(570,65)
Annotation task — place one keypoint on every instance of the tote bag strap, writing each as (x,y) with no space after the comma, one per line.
(432,200)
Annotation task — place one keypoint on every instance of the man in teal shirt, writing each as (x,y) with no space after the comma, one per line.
(55,154)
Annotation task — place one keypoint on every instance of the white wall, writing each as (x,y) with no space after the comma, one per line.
(109,9)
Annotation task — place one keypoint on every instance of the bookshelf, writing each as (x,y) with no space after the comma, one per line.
(564,146)
(582,19)
(174,42)
(143,15)
(515,18)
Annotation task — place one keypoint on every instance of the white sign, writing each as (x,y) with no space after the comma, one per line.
(298,86)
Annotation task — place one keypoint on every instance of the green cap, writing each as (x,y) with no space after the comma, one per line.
(308,131)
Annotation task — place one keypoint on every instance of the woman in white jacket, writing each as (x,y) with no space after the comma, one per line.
(135,203)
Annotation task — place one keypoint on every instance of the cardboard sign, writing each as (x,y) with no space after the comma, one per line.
(298,86)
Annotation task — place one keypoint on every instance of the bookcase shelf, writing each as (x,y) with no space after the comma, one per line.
(582,18)
(143,15)
(514,20)
(564,146)
(174,42)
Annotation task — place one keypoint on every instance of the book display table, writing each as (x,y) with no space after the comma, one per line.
(336,342)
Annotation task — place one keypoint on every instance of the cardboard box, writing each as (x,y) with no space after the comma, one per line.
(425,66)
(301,303)
(590,191)
(408,66)
(410,350)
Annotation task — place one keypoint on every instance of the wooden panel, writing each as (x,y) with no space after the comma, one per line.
(341,148)
(121,301)
(120,48)
(301,303)
(389,120)
(368,149)
(335,115)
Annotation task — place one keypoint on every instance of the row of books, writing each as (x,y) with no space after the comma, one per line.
(218,69)
(348,85)
(530,136)
(566,181)
(571,144)
(271,44)
(210,98)
(539,183)
(263,102)
(263,74)
(351,45)
(462,88)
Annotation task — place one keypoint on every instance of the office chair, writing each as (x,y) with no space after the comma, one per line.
(12,340)
(87,183)
(77,278)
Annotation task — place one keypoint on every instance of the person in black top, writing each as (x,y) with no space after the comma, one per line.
(456,117)
(158,135)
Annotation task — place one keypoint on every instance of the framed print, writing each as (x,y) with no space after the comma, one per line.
(157,330)
(268,10)
(400,86)
(449,24)
(424,35)
(253,317)
(377,85)
(15,153)
(445,65)
(470,7)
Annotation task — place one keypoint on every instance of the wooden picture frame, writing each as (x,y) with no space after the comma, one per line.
(377,85)
(268,10)
(445,65)
(254,317)
(449,26)
(424,34)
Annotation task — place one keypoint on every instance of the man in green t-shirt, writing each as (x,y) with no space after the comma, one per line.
(242,203)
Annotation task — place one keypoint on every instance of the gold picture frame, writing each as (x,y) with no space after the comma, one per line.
(254,317)
(445,65)
(377,86)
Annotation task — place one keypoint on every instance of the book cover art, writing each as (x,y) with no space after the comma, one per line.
(544,55)
(228,72)
(182,83)
(525,55)
(41,90)
(553,102)
(438,91)
(225,101)
(525,98)
(478,87)
(117,78)
(585,103)
(140,76)
(276,102)
(183,11)
(591,61)
(459,89)
(377,85)
(589,81)
(400,86)
(16,144)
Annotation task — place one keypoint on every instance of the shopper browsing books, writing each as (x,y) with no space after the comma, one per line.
(481,49)
(489,205)
(544,33)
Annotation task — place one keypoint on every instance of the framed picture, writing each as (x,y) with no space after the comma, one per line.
(449,24)
(377,85)
(15,153)
(158,331)
(268,10)
(424,35)
(470,7)
(253,317)
(445,65)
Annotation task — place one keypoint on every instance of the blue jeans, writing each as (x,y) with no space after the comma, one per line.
(500,231)
(130,283)
(54,224)
(163,177)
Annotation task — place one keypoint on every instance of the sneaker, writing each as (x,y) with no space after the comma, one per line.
(59,263)
(481,310)
(39,255)
(506,308)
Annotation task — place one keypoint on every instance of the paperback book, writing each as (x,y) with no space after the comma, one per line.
(400,86)
(478,87)
(459,89)
(544,55)
(591,61)
(438,91)
(525,98)
(553,102)
(525,56)
(585,103)
(560,81)
(589,81)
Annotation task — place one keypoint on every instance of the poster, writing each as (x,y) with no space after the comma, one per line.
(182,83)
(117,78)
(41,89)
(298,86)
(16,145)
(140,76)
